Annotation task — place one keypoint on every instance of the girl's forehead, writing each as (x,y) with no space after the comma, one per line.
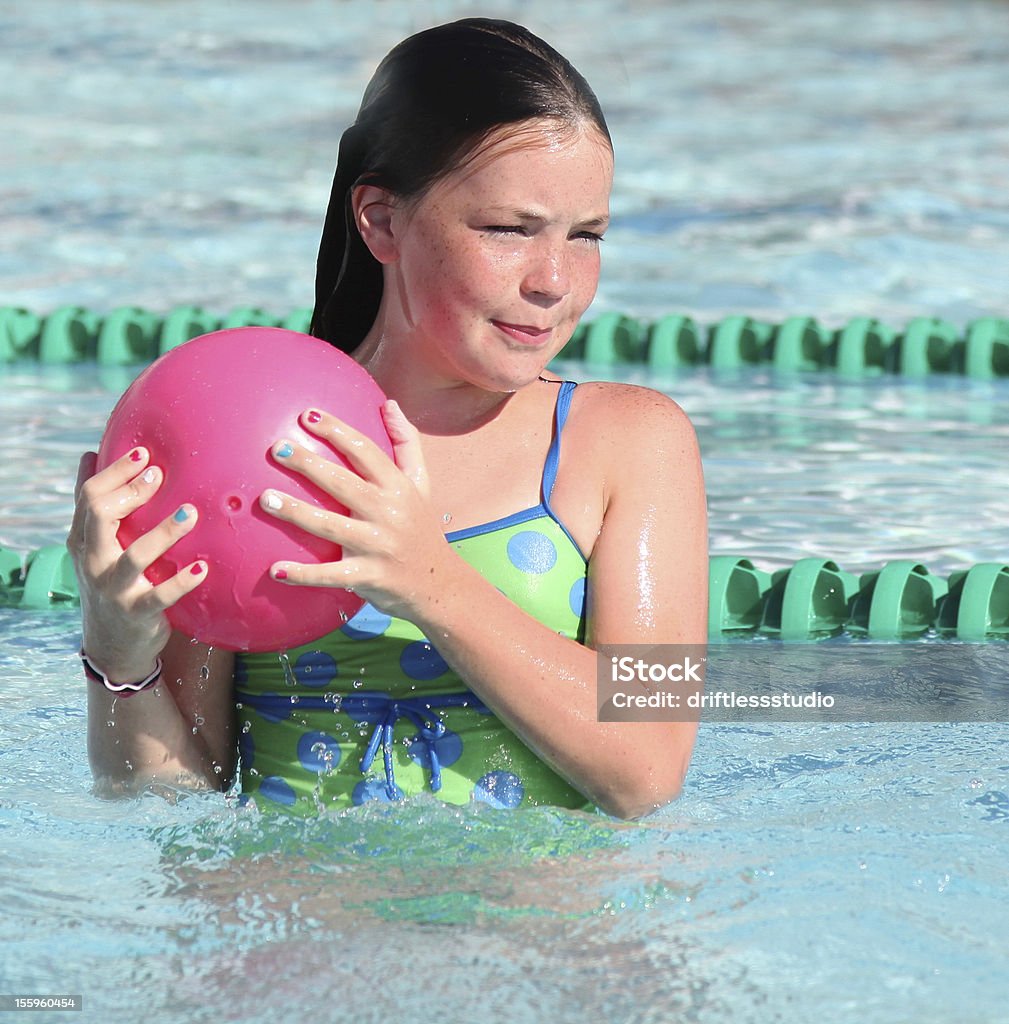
(538,137)
(535,155)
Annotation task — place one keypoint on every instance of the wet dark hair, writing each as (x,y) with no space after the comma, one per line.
(432,101)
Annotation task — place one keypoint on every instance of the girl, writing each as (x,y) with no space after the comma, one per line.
(523,523)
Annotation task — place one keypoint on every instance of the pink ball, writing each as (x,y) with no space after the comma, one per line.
(210,412)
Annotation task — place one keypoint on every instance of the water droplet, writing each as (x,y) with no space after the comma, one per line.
(447,517)
(246,726)
(205,673)
(199,720)
(295,698)
(357,684)
(285,663)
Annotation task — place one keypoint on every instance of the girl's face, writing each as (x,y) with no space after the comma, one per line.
(491,269)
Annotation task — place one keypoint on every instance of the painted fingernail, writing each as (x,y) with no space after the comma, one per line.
(313,416)
(150,476)
(280,574)
(273,501)
(284,451)
(136,455)
(181,515)
(197,569)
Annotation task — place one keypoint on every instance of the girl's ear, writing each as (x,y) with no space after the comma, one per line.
(372,208)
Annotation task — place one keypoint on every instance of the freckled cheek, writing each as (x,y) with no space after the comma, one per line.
(585,279)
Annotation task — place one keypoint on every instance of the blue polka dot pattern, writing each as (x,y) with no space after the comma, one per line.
(368,623)
(499,789)
(448,747)
(576,597)
(532,551)
(318,752)
(373,789)
(274,788)
(421,661)
(315,669)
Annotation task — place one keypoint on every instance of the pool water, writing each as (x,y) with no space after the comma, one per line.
(833,159)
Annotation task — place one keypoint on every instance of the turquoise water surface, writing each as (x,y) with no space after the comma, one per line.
(827,159)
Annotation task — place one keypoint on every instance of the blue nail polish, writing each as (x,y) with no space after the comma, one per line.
(181,516)
(285,451)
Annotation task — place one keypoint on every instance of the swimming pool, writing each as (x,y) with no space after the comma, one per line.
(835,160)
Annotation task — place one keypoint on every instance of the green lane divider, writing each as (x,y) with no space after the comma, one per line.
(810,600)
(44,579)
(862,347)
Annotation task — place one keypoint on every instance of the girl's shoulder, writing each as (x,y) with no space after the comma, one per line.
(627,414)
(630,440)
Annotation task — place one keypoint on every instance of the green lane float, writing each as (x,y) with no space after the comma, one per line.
(812,599)
(862,347)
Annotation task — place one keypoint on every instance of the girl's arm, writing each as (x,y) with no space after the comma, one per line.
(181,731)
(647,584)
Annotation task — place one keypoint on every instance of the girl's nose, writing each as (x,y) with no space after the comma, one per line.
(547,275)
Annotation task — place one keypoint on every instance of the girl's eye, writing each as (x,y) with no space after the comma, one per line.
(505,229)
(590,236)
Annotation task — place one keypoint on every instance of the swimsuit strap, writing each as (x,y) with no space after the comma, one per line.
(553,458)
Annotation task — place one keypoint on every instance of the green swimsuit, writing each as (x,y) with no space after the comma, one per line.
(372,711)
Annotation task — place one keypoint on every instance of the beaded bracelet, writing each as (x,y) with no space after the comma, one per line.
(123,689)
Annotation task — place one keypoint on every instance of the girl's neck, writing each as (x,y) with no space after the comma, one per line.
(434,403)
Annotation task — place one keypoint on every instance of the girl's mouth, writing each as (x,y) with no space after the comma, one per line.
(525,334)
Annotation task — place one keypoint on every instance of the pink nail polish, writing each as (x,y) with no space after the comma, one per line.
(313,416)
(196,570)
(135,455)
(280,574)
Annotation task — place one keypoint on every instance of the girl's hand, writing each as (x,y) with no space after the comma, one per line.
(391,538)
(123,612)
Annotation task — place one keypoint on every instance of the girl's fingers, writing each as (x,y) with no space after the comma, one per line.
(331,526)
(114,475)
(406,445)
(360,451)
(105,498)
(164,595)
(149,547)
(335,479)
(85,470)
(341,574)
